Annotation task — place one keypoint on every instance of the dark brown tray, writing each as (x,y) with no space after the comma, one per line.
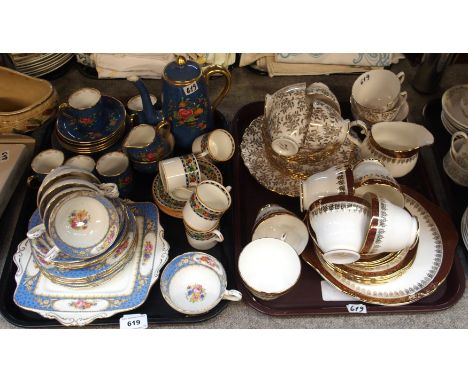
(306,298)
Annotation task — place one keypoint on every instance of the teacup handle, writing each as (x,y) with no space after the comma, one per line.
(109,189)
(36,231)
(404,97)
(219,236)
(232,295)
(401,77)
(364,130)
(456,136)
(228,188)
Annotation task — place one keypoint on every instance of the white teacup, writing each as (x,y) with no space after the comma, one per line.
(459,149)
(217,146)
(279,223)
(378,89)
(269,267)
(391,228)
(340,223)
(180,175)
(46,161)
(206,206)
(370,175)
(286,116)
(84,162)
(203,240)
(334,181)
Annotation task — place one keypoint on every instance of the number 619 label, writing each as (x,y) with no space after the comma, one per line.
(134,321)
(356,308)
(192,88)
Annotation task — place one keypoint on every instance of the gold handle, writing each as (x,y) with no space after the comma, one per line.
(165,126)
(218,69)
(63,106)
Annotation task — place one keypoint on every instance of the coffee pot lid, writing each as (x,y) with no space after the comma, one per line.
(182,70)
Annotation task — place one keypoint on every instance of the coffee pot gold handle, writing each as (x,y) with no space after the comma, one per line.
(218,70)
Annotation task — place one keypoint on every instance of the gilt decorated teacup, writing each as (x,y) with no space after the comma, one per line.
(340,225)
(203,240)
(378,89)
(86,107)
(114,167)
(337,180)
(206,206)
(218,146)
(44,162)
(370,175)
(180,175)
(277,222)
(195,282)
(83,162)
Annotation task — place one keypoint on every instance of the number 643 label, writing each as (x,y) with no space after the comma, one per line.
(356,308)
(134,321)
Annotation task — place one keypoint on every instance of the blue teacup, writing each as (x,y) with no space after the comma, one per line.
(114,167)
(86,107)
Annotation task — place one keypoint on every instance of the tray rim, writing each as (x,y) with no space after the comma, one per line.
(340,308)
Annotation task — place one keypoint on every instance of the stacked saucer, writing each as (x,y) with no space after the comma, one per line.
(90,129)
(464,228)
(85,234)
(454,114)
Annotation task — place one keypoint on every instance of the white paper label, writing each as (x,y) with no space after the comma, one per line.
(356,308)
(4,156)
(189,89)
(134,321)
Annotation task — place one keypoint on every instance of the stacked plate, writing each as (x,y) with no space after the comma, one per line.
(88,254)
(464,228)
(76,135)
(86,234)
(40,64)
(455,109)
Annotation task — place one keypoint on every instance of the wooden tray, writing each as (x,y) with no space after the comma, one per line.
(306,297)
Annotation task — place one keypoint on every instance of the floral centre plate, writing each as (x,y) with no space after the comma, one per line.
(127,290)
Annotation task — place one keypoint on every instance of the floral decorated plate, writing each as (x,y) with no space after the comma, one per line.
(83,224)
(173,207)
(125,291)
(71,129)
(256,160)
(88,275)
(428,270)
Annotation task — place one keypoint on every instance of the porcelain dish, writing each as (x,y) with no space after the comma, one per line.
(125,291)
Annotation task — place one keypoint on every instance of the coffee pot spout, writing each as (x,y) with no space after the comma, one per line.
(148,110)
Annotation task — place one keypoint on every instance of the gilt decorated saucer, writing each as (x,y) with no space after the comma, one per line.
(126,290)
(255,158)
(173,207)
(77,131)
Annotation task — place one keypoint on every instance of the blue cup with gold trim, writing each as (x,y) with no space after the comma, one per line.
(114,167)
(85,105)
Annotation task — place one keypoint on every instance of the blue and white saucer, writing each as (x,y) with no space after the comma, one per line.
(110,263)
(72,131)
(125,291)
